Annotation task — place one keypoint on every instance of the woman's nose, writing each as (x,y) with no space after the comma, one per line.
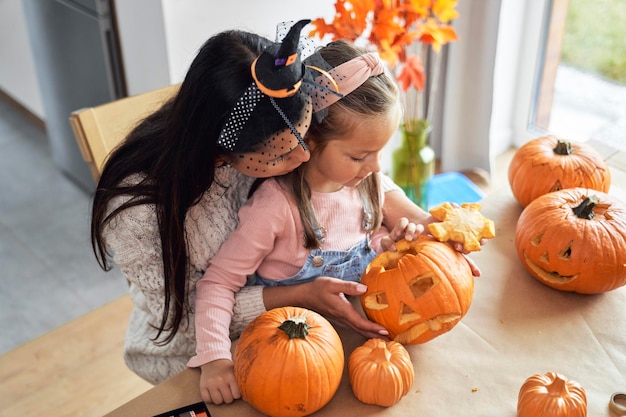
(300,155)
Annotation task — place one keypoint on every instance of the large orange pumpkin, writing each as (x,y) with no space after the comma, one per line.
(288,362)
(547,164)
(418,292)
(574,240)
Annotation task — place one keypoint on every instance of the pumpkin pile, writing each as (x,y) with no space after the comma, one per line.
(548,163)
(574,240)
(551,395)
(419,291)
(288,362)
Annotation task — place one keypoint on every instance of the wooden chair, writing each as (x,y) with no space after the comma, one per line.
(100,129)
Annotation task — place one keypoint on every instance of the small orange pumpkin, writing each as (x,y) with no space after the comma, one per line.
(418,292)
(288,362)
(574,240)
(380,372)
(547,164)
(551,395)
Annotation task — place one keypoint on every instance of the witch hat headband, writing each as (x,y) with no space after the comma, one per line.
(277,73)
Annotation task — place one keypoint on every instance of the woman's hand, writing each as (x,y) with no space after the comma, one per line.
(217,382)
(326,296)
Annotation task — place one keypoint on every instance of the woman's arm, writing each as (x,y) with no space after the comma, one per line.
(327,296)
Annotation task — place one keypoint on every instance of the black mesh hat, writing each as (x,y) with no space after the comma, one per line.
(280,77)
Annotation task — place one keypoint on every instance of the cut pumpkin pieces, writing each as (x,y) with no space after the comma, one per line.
(464,224)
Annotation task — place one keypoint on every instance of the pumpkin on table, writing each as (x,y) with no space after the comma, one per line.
(418,292)
(548,163)
(551,395)
(574,240)
(380,372)
(288,362)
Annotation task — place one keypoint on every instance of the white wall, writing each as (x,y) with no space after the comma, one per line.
(161,38)
(143,44)
(17,68)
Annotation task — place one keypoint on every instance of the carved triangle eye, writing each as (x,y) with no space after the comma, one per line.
(376,301)
(567,252)
(421,284)
(556,186)
(407,314)
(536,239)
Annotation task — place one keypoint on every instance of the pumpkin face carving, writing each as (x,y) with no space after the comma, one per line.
(418,292)
(547,164)
(574,240)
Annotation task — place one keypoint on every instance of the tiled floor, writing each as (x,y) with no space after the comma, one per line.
(48,274)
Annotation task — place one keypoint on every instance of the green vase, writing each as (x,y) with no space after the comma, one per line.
(413,163)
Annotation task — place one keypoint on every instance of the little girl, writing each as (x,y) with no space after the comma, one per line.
(323,219)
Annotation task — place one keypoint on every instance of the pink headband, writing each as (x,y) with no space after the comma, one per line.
(347,78)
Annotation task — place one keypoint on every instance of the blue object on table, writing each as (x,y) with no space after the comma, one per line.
(452,187)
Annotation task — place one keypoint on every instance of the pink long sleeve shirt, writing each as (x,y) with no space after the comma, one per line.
(268,240)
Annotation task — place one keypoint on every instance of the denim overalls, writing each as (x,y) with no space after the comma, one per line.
(346,265)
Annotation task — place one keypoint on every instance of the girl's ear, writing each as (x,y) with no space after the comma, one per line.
(310,143)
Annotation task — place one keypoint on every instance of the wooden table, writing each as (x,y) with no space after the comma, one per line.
(516,327)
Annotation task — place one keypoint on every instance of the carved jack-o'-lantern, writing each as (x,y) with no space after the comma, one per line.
(418,292)
(574,240)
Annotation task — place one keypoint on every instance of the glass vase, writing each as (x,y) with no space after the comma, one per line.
(413,163)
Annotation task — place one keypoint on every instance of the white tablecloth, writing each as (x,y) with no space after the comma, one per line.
(516,327)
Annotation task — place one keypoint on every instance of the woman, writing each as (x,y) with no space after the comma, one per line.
(169,195)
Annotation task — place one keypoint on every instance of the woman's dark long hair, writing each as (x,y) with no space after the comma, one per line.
(175,153)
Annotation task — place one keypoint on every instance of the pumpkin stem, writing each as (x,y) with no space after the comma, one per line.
(295,327)
(563,147)
(585,209)
(380,353)
(557,388)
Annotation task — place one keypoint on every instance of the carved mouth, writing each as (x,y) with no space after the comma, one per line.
(548,276)
(434,325)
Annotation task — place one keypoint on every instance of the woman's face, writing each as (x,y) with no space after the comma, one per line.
(280,154)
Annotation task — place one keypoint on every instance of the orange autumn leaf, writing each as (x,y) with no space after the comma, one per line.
(436,34)
(421,8)
(412,74)
(394,28)
(444,10)
(349,22)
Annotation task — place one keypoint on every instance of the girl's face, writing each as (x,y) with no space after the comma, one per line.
(280,154)
(349,159)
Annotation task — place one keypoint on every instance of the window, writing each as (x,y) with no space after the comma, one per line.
(581,88)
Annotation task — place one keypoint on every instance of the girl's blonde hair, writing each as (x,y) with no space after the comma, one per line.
(375,98)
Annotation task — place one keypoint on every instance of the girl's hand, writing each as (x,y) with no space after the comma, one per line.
(459,248)
(217,382)
(404,229)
